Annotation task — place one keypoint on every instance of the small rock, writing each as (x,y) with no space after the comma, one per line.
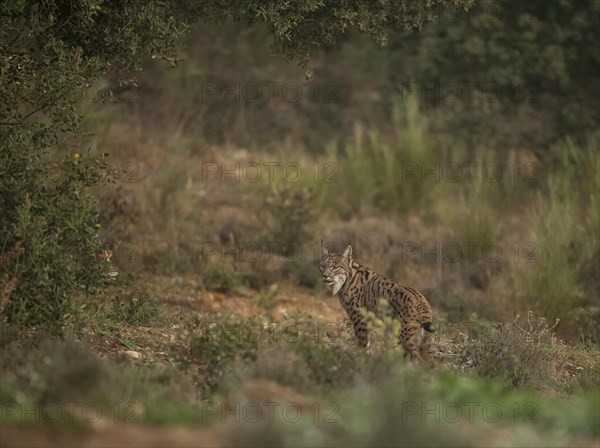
(133,354)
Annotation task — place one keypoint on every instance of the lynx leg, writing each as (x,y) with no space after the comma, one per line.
(409,338)
(360,330)
(426,349)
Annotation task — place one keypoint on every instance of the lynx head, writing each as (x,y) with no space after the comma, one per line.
(335,269)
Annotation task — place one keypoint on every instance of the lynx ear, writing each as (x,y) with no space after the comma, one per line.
(324,250)
(347,254)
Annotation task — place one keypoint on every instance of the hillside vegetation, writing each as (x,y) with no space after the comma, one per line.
(161,228)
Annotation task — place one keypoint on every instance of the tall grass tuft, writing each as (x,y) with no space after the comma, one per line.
(565,233)
(386,171)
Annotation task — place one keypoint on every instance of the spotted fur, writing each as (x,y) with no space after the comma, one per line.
(358,286)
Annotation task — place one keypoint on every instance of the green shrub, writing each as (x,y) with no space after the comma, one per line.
(45,205)
(220,278)
(49,213)
(292,209)
(220,341)
(268,301)
(330,365)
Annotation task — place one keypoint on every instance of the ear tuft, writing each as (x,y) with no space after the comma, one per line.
(347,254)
(324,250)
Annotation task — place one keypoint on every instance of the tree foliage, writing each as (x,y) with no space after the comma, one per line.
(508,71)
(300,26)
